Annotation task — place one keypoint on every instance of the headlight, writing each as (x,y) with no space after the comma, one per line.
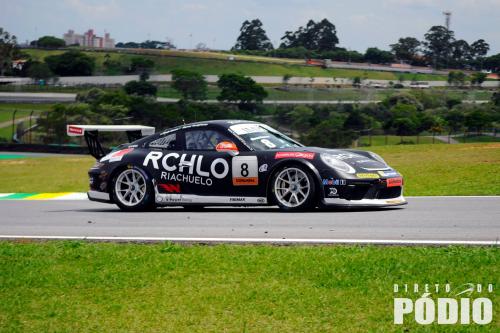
(336,164)
(377,157)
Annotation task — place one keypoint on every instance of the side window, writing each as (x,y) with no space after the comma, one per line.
(164,142)
(204,139)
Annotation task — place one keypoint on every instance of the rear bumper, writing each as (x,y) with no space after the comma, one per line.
(365,202)
(99,196)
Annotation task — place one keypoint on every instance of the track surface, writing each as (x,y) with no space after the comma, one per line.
(424,219)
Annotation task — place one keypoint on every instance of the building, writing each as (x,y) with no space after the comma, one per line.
(89,39)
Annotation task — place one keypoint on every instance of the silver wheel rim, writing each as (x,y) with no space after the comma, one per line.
(130,187)
(292,187)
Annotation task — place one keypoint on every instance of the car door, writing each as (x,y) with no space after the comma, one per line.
(225,173)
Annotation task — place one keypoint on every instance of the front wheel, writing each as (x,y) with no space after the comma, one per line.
(294,189)
(133,190)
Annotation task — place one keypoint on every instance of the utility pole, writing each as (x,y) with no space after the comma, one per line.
(447,15)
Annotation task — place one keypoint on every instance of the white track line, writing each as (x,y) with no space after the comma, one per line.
(257,240)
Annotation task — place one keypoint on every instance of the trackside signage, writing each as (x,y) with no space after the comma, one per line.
(443,304)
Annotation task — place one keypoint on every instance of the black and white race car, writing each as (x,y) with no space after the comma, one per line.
(233,162)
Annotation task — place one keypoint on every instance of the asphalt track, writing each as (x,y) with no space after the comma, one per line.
(426,220)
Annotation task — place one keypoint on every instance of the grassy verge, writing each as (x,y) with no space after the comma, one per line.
(478,138)
(440,169)
(47,174)
(459,169)
(165,62)
(75,287)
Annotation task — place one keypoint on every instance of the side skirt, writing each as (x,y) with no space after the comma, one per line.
(172,199)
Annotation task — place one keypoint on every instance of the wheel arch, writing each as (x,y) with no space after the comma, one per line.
(297,162)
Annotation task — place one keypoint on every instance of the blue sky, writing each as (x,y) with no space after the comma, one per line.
(360,24)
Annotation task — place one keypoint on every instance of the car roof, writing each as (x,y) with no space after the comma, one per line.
(225,123)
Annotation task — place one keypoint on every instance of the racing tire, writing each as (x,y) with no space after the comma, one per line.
(293,189)
(133,191)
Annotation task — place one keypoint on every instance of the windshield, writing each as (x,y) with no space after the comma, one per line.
(262,137)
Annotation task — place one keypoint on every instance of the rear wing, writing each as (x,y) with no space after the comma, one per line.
(91,134)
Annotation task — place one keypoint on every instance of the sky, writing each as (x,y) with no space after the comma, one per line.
(360,23)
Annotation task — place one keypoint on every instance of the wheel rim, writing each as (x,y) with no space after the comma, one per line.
(292,187)
(130,187)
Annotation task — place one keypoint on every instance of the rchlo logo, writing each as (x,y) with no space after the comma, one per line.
(186,168)
(465,304)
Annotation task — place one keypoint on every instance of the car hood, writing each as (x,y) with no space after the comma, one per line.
(360,160)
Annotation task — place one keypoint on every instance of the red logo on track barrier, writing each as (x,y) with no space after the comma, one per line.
(75,130)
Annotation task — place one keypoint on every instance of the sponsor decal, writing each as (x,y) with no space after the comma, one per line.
(116,156)
(261,200)
(465,304)
(186,168)
(245,171)
(367,175)
(333,192)
(345,156)
(171,188)
(294,154)
(236,199)
(389,173)
(263,168)
(226,146)
(393,182)
(336,182)
(75,130)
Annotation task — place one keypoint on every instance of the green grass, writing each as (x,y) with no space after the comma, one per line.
(165,62)
(439,169)
(458,169)
(23,110)
(47,174)
(478,138)
(105,287)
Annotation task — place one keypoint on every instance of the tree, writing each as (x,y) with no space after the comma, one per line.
(253,37)
(493,63)
(479,49)
(301,116)
(461,53)
(456,78)
(71,63)
(8,48)
(320,36)
(38,71)
(141,88)
(406,49)
(478,78)
(191,85)
(377,56)
(438,45)
(495,98)
(141,65)
(240,89)
(50,42)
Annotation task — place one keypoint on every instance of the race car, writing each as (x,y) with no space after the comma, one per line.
(233,162)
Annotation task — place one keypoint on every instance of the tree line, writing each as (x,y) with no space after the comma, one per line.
(439,48)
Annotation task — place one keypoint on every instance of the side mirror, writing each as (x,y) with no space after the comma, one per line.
(227,146)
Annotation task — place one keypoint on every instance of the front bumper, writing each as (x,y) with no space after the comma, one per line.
(365,202)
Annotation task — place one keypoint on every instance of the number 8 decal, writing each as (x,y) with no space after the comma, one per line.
(245,171)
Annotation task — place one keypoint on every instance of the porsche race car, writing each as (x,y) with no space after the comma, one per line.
(233,162)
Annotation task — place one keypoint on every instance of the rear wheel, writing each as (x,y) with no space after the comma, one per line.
(133,190)
(294,189)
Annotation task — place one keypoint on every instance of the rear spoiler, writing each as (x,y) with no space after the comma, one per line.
(91,134)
